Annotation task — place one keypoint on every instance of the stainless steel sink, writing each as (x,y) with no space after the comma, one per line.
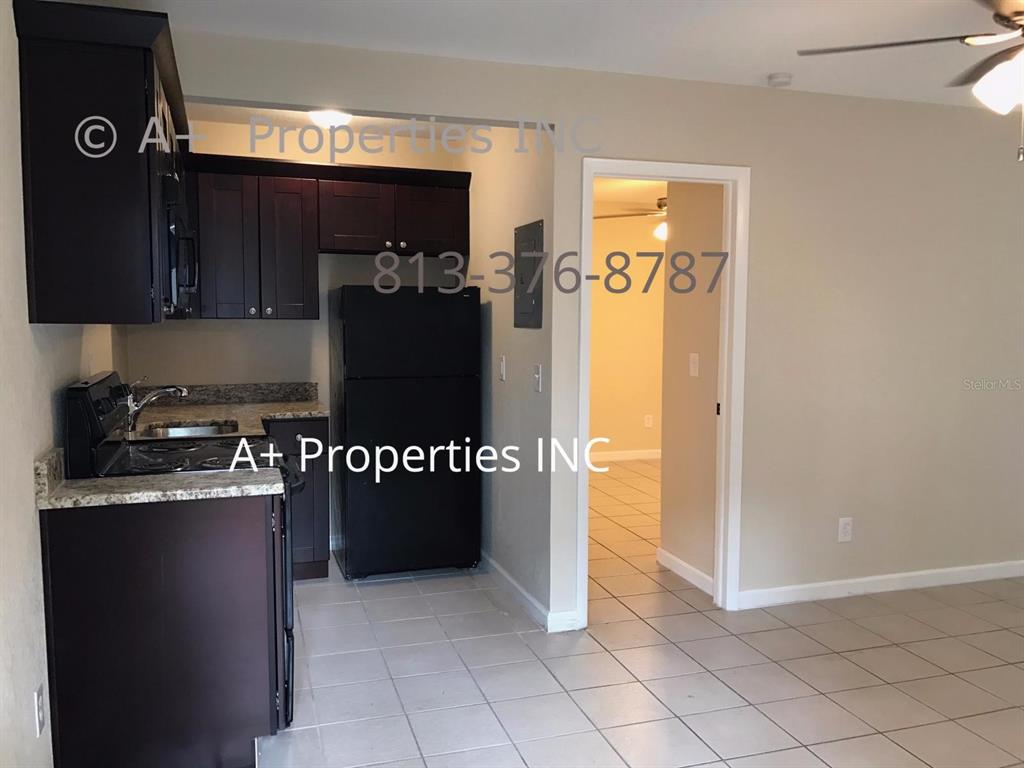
(157,432)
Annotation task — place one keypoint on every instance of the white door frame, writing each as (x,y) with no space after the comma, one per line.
(731,358)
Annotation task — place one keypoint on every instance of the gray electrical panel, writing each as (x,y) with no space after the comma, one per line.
(529,272)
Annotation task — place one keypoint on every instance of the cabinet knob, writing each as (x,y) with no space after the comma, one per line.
(402,244)
(298,438)
(252,310)
(269,310)
(387,243)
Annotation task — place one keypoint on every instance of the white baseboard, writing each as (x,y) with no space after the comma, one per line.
(640,453)
(698,578)
(824,590)
(553,621)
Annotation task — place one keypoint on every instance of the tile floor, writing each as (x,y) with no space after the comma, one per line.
(447,670)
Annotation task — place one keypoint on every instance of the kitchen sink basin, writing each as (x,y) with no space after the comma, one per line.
(164,431)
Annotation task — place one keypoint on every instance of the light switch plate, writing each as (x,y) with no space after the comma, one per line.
(694,364)
(502,369)
(538,378)
(845,529)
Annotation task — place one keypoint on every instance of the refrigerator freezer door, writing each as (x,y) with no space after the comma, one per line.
(410,334)
(411,520)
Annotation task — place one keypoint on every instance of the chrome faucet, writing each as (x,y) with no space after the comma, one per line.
(135,407)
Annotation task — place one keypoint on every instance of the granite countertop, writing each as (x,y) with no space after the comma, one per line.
(180,486)
(217,404)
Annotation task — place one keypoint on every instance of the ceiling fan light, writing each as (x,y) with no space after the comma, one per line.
(661,231)
(1002,88)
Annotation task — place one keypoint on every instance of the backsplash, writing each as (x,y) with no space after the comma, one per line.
(218,394)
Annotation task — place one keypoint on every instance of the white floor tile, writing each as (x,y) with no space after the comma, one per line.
(454,730)
(541,717)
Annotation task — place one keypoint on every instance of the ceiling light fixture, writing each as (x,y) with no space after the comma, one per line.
(329,118)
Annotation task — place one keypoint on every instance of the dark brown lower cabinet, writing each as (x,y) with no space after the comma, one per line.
(162,632)
(311,506)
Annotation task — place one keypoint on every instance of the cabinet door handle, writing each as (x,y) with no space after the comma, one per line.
(269,310)
(402,244)
(252,310)
(387,243)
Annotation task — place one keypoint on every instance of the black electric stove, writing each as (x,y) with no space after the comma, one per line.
(151,457)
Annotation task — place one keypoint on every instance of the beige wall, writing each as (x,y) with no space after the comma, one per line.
(510,190)
(625,339)
(36,362)
(884,269)
(692,321)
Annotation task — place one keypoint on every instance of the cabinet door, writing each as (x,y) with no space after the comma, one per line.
(89,228)
(432,220)
(310,507)
(229,248)
(356,217)
(288,249)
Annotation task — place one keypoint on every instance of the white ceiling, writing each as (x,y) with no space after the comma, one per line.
(728,41)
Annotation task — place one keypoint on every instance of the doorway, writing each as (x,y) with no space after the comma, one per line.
(700,466)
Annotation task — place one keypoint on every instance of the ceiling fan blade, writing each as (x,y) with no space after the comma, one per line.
(629,215)
(875,46)
(974,74)
(1005,8)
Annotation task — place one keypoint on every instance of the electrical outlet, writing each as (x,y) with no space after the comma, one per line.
(39,702)
(694,364)
(648,421)
(502,369)
(845,529)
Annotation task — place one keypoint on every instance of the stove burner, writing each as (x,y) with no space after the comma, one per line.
(169,446)
(217,462)
(159,465)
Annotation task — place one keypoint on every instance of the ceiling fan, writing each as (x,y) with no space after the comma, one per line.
(998,79)
(660,231)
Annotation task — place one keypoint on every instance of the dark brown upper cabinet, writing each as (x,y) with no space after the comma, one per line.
(432,220)
(258,247)
(361,217)
(229,245)
(356,216)
(289,285)
(262,224)
(97,222)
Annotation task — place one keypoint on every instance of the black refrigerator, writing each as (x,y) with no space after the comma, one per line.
(405,371)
